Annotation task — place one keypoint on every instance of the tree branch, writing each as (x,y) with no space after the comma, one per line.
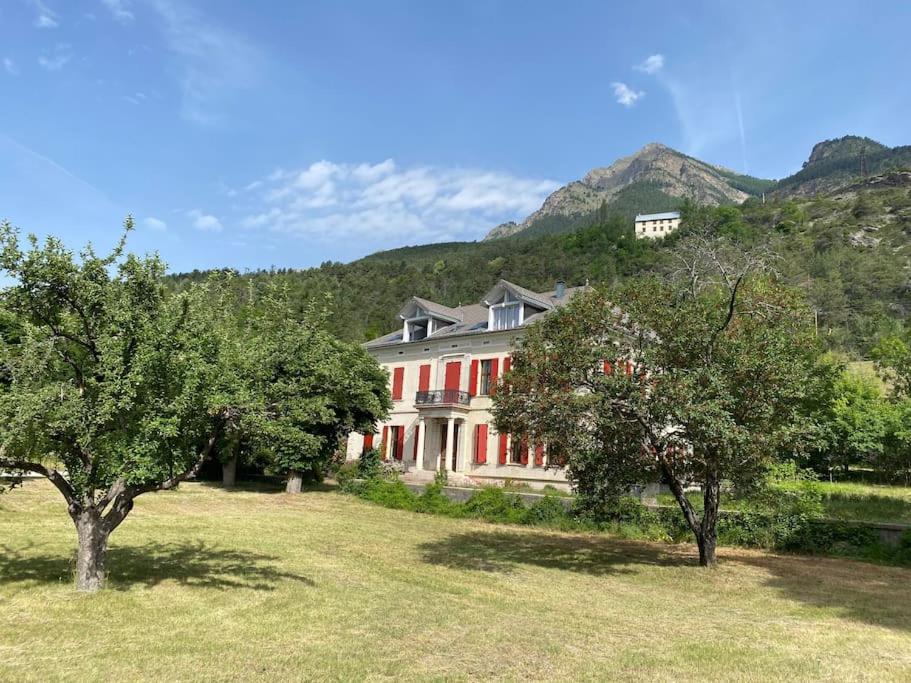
(53,475)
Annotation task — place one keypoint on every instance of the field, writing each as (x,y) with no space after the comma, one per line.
(211,584)
(845,500)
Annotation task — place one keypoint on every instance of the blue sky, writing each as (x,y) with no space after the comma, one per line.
(289,133)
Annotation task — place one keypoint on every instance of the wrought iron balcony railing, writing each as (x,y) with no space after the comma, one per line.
(442,397)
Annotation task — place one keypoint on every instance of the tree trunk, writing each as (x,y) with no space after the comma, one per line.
(707,537)
(295,480)
(90,556)
(229,473)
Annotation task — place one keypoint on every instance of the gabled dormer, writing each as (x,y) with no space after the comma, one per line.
(509,306)
(422,318)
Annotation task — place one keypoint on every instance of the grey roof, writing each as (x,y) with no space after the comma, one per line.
(452,314)
(657,216)
(520,292)
(473,317)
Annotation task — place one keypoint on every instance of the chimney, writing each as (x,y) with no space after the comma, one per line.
(559,289)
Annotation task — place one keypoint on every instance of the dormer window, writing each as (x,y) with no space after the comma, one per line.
(421,319)
(417,329)
(507,314)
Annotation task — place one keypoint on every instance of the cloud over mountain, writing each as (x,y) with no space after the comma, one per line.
(382,202)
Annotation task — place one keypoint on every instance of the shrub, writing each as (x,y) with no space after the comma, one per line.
(548,511)
(370,464)
(346,474)
(495,505)
(390,494)
(434,501)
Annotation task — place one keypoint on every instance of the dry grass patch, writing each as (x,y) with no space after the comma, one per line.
(217,585)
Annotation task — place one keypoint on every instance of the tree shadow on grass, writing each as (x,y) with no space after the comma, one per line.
(501,551)
(189,563)
(849,589)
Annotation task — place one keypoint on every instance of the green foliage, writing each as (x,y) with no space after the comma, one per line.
(493,504)
(712,391)
(547,511)
(106,374)
(369,464)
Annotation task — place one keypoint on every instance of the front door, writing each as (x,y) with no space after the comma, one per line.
(455,446)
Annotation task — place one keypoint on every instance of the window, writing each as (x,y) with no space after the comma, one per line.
(417,329)
(506,316)
(485,378)
(516,451)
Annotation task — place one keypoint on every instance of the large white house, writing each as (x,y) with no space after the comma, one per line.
(443,366)
(655,225)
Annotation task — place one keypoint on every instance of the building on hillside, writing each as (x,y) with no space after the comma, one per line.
(443,365)
(653,225)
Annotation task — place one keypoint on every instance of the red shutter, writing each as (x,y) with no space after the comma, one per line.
(608,368)
(473,379)
(480,448)
(424,378)
(507,363)
(494,371)
(503,445)
(384,442)
(453,375)
(523,457)
(417,436)
(368,441)
(398,379)
(539,455)
(629,369)
(400,443)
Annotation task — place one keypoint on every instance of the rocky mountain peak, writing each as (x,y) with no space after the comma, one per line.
(654,178)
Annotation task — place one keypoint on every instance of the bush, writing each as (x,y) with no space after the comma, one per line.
(434,501)
(390,494)
(495,505)
(548,511)
(370,464)
(346,474)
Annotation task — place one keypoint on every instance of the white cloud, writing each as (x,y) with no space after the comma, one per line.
(626,95)
(652,64)
(156,224)
(45,17)
(119,9)
(213,63)
(382,205)
(56,61)
(10,66)
(205,221)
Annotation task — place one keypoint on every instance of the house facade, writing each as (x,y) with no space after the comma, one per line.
(655,225)
(444,364)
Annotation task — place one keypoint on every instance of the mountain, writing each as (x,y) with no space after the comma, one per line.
(656,178)
(835,163)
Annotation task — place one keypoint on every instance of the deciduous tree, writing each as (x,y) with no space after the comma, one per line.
(108,383)
(693,379)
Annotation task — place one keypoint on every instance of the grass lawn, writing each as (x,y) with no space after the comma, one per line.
(844,500)
(210,584)
(867,502)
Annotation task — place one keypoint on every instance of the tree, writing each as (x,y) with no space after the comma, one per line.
(693,378)
(107,383)
(300,390)
(853,418)
(893,361)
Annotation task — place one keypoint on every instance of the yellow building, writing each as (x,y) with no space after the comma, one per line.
(654,225)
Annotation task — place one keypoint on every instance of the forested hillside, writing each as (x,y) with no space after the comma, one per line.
(848,251)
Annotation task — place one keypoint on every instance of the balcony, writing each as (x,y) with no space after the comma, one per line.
(442,397)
